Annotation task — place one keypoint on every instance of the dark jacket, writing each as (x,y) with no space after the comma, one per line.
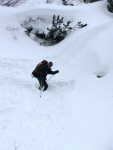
(43,71)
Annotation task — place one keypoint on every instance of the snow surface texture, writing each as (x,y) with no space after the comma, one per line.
(76,112)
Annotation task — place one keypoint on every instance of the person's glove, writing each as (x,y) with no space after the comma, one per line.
(57,71)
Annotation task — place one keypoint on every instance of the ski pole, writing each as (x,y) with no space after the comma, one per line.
(40,93)
(32,76)
(50,77)
(41,88)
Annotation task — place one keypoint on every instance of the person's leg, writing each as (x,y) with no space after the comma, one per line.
(45,85)
(41,83)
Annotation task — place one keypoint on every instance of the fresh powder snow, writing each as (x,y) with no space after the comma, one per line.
(76,112)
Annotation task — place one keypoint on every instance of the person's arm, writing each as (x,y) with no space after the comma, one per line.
(53,72)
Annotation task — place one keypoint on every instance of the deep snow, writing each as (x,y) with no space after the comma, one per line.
(76,112)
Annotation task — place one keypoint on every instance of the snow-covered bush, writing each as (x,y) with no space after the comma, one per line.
(110,5)
(28,30)
(13,31)
(54,33)
(90,1)
(67,2)
(11,3)
(48,1)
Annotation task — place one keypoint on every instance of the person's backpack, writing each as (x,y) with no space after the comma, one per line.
(35,71)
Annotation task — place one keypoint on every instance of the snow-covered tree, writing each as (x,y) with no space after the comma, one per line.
(110,5)
(57,32)
(11,3)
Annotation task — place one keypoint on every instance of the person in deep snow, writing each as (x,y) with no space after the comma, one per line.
(41,71)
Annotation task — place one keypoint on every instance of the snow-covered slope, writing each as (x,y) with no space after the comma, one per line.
(76,112)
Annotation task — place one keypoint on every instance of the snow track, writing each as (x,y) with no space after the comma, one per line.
(76,112)
(26,115)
